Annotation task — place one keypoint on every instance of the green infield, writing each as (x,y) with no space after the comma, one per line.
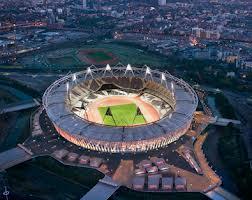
(121,115)
(99,56)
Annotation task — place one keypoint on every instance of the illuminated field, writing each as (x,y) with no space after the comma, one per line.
(122,115)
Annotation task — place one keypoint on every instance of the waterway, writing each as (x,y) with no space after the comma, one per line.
(211,104)
(211,150)
(20,128)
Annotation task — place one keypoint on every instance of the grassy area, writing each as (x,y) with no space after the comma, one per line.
(66,60)
(99,56)
(122,114)
(11,67)
(125,53)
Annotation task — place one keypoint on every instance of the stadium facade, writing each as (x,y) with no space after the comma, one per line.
(66,100)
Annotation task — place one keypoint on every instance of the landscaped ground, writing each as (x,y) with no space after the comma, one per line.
(122,115)
(97,56)
(66,60)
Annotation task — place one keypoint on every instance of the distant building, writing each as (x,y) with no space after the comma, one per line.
(247,64)
(205,34)
(59,11)
(230,74)
(84,4)
(38,2)
(161,2)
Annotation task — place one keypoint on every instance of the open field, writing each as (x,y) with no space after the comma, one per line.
(66,60)
(122,115)
(11,67)
(97,54)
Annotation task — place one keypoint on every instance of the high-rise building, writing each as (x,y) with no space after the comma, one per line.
(84,4)
(161,2)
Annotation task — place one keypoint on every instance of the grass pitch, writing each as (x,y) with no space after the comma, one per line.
(123,115)
(99,56)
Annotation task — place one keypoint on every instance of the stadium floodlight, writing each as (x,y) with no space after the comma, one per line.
(107,68)
(67,86)
(148,72)
(74,78)
(89,72)
(163,78)
(67,90)
(129,68)
(172,88)
(170,115)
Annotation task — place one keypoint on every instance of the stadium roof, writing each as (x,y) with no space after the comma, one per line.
(56,103)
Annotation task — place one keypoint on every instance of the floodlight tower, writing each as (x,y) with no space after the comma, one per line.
(74,78)
(163,79)
(148,72)
(172,89)
(107,69)
(88,72)
(129,69)
(67,90)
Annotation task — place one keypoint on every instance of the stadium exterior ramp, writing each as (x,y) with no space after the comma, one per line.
(220,194)
(20,106)
(102,190)
(14,157)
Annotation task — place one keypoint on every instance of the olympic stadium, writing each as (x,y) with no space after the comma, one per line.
(120,109)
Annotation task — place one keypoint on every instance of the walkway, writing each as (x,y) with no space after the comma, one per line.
(220,194)
(102,190)
(20,106)
(13,157)
(202,118)
(225,122)
(207,170)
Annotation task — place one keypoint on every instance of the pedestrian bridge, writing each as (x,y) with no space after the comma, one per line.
(202,118)
(14,157)
(102,190)
(220,194)
(20,106)
(225,122)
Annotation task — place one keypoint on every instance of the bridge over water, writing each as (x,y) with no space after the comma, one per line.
(219,121)
(23,105)
(102,190)
(220,194)
(14,157)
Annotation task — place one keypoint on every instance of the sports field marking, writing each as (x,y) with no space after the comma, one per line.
(122,115)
